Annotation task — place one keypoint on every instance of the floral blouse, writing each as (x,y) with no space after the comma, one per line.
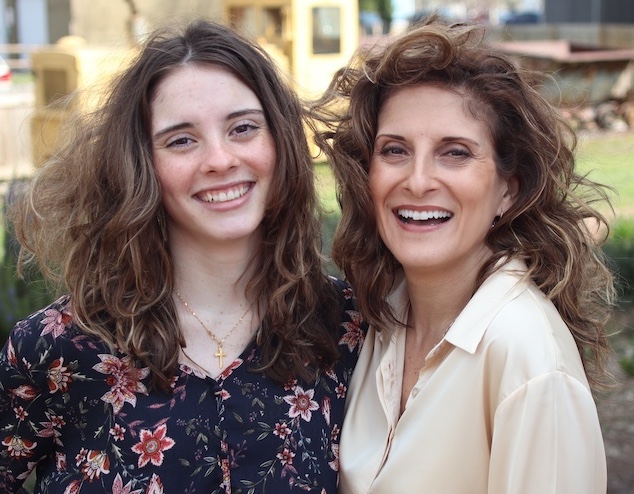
(85,418)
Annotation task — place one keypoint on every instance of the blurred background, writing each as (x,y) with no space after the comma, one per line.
(56,56)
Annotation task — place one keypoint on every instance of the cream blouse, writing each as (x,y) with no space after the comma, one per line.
(508,410)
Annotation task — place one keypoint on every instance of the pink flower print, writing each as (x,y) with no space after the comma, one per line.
(354,336)
(50,428)
(20,413)
(282,430)
(55,322)
(155,486)
(13,360)
(18,447)
(81,456)
(60,461)
(96,463)
(286,456)
(26,392)
(58,420)
(73,487)
(290,385)
(341,390)
(229,370)
(119,488)
(117,432)
(30,465)
(58,376)
(152,445)
(302,403)
(124,380)
(334,433)
(325,409)
(334,464)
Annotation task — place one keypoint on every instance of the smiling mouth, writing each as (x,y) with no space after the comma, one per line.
(226,195)
(409,216)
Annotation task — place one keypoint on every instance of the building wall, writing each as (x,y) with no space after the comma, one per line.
(58,19)
(600,35)
(88,17)
(585,11)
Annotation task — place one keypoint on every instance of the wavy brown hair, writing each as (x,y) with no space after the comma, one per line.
(549,224)
(89,217)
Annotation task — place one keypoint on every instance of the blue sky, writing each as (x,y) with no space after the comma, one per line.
(403,8)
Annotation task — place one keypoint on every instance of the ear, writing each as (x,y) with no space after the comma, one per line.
(509,196)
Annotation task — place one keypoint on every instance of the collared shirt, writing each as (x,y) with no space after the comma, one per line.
(506,410)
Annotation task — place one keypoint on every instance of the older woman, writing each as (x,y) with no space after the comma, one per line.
(465,233)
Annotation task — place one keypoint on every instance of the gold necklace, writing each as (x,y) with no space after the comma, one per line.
(220,353)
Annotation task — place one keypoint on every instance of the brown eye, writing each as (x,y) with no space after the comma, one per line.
(180,142)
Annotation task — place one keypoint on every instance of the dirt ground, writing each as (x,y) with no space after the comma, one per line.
(616,412)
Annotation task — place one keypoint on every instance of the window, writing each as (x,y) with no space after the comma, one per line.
(326,30)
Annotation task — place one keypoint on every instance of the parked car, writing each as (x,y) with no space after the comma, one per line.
(523,18)
(5,75)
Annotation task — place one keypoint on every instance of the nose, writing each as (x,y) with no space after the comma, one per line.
(219,157)
(422,175)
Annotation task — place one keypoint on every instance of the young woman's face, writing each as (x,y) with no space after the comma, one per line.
(214,155)
(434,182)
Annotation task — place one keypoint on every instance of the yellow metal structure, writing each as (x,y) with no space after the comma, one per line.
(310,39)
(69,77)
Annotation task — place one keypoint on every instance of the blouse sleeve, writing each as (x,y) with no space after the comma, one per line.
(547,440)
(26,434)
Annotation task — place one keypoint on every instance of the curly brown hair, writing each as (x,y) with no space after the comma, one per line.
(89,217)
(549,226)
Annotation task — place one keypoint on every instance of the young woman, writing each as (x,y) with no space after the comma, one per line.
(200,348)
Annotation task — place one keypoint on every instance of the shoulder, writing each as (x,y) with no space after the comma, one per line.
(529,336)
(530,318)
(344,290)
(46,335)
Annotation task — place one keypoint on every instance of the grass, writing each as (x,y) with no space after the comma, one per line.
(608,158)
(326,188)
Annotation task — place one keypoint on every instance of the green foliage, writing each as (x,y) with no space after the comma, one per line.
(326,188)
(384,8)
(329,224)
(18,297)
(608,159)
(627,362)
(620,250)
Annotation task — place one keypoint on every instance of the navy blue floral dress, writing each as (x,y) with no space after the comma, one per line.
(85,418)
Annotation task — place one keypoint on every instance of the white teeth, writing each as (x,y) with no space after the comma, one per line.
(423,215)
(229,195)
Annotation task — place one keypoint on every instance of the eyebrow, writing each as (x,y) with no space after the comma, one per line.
(444,139)
(187,125)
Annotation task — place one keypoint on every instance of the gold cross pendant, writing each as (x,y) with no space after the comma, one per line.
(220,354)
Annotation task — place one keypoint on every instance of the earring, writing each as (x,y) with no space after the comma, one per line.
(496,219)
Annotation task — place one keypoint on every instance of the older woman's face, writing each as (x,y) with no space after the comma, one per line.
(434,181)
